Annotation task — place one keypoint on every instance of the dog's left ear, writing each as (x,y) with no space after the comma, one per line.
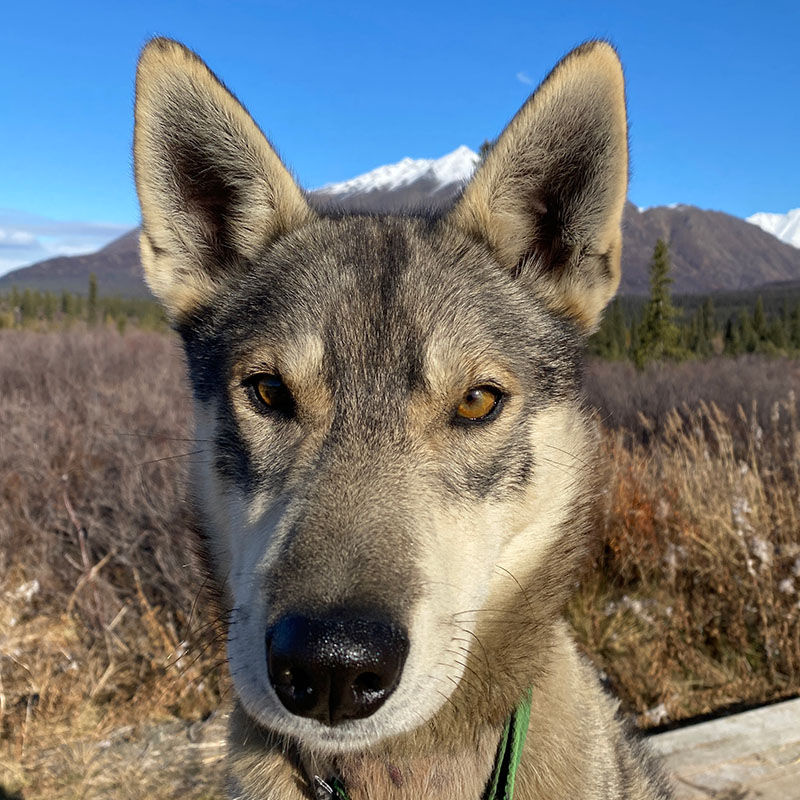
(549,197)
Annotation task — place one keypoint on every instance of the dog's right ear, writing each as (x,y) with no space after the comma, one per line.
(212,190)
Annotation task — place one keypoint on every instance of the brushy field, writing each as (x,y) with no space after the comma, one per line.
(107,648)
(693,606)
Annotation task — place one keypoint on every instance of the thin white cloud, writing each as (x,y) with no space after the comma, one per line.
(27,238)
(524,78)
(12,238)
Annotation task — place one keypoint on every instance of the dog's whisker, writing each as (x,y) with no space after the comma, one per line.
(480,645)
(571,455)
(173,457)
(157,436)
(519,586)
(482,681)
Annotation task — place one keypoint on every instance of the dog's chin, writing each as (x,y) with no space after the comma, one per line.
(346,737)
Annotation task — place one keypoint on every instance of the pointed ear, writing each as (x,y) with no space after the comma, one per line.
(549,197)
(212,190)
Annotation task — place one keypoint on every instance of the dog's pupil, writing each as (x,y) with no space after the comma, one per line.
(477,403)
(269,388)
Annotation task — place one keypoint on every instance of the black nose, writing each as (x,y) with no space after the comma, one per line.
(334,667)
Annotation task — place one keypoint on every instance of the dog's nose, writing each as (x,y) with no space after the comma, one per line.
(335,667)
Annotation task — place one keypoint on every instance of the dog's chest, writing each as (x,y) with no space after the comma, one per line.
(448,776)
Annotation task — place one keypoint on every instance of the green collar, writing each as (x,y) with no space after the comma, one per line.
(509,753)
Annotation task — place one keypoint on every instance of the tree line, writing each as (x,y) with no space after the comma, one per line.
(662,331)
(33,307)
(642,333)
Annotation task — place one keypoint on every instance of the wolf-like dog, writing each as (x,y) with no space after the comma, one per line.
(400,482)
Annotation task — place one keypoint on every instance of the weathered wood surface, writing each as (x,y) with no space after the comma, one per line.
(754,755)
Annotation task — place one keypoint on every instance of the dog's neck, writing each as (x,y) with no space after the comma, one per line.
(399,775)
(268,767)
(420,765)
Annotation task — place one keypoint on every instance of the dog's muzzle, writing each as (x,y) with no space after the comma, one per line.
(335,667)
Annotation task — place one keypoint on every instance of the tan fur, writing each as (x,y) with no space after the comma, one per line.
(573,734)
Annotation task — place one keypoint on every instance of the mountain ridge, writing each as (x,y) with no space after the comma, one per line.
(711,251)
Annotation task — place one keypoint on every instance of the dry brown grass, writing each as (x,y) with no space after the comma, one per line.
(96,589)
(693,606)
(106,662)
(641,402)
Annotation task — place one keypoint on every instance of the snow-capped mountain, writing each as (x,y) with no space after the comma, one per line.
(710,251)
(785,226)
(450,170)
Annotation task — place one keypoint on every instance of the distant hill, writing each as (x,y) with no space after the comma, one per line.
(116,266)
(711,251)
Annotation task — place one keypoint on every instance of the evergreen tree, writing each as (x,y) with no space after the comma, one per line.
(732,339)
(759,319)
(49,305)
(27,306)
(776,333)
(709,320)
(747,333)
(688,334)
(636,344)
(91,309)
(699,340)
(794,328)
(619,331)
(658,333)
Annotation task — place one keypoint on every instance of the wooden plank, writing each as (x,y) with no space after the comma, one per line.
(755,755)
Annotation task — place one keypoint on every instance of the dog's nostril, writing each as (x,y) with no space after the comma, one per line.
(368,690)
(297,685)
(368,682)
(334,667)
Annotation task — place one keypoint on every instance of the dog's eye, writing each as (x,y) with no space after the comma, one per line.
(479,404)
(272,393)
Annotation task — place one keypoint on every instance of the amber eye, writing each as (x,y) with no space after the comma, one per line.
(479,404)
(272,393)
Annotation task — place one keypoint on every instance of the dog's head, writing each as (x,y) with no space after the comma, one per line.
(388,405)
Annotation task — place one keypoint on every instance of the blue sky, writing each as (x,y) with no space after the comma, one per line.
(713,92)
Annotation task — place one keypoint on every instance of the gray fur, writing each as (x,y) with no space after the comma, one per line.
(370,492)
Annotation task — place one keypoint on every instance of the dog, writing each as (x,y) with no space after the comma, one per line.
(402,480)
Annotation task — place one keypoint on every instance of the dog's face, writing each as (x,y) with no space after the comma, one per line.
(387,405)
